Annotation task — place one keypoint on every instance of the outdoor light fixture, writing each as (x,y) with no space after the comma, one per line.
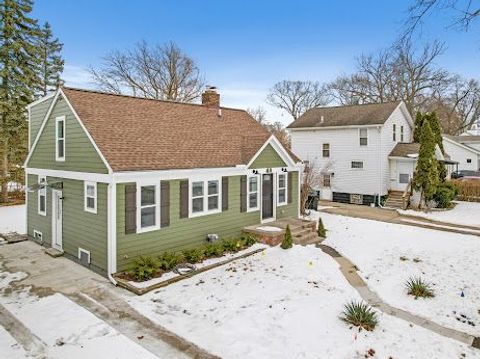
(284,170)
(255,172)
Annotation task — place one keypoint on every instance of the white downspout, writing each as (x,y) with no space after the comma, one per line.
(381,168)
(112,231)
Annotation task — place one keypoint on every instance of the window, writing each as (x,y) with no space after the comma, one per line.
(326,181)
(38,236)
(60,138)
(326,150)
(42,195)
(90,197)
(84,256)
(394,132)
(363,137)
(205,197)
(282,189)
(253,193)
(401,133)
(357,164)
(469,160)
(404,178)
(148,204)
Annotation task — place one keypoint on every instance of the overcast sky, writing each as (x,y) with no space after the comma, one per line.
(244,47)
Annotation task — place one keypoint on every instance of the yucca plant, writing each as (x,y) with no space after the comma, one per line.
(418,288)
(360,315)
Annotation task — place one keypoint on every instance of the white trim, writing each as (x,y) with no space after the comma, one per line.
(80,250)
(274,198)
(112,232)
(468,148)
(205,196)
(278,188)
(81,176)
(85,197)
(333,127)
(29,127)
(156,226)
(35,233)
(277,146)
(44,98)
(402,158)
(259,180)
(45,193)
(57,139)
(55,234)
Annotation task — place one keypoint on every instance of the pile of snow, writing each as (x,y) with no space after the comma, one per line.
(12,219)
(283,304)
(269,229)
(388,254)
(464,213)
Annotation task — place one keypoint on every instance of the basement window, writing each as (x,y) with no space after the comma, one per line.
(357,165)
(84,256)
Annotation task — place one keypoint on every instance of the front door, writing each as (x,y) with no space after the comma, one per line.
(403,175)
(57,220)
(267,196)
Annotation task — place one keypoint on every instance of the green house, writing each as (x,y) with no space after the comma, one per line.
(113,177)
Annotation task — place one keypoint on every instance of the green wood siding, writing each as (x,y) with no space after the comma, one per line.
(37,114)
(80,229)
(80,155)
(269,158)
(290,209)
(182,233)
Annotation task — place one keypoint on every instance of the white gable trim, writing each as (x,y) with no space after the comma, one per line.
(40,100)
(277,146)
(468,148)
(45,120)
(406,113)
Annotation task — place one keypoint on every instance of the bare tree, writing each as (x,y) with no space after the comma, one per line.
(158,72)
(258,113)
(278,130)
(311,179)
(296,97)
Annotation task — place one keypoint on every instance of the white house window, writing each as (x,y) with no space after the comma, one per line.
(148,203)
(394,132)
(401,133)
(253,193)
(282,188)
(326,150)
(357,164)
(363,137)
(90,194)
(404,178)
(205,196)
(326,181)
(42,195)
(60,138)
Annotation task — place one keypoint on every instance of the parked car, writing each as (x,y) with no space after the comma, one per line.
(465,173)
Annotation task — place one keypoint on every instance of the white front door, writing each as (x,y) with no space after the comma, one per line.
(404,175)
(57,220)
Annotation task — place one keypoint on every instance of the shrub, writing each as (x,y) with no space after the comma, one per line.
(418,288)
(445,194)
(360,315)
(194,255)
(144,267)
(322,232)
(287,239)
(232,244)
(249,240)
(168,260)
(214,249)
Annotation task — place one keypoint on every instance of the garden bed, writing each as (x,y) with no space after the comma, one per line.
(164,278)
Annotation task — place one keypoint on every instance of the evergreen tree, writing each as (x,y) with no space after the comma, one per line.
(51,62)
(417,130)
(436,129)
(426,178)
(321,231)
(287,239)
(18,79)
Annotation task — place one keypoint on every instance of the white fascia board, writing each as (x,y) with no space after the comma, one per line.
(277,146)
(403,158)
(81,176)
(334,127)
(471,149)
(406,113)
(40,100)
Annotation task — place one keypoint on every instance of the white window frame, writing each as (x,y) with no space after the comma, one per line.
(80,250)
(323,150)
(360,136)
(205,196)
(251,209)
(401,134)
(156,226)
(329,176)
(85,197)
(39,193)
(394,129)
(57,139)
(279,188)
(356,168)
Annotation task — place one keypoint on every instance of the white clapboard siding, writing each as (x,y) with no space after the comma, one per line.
(461,154)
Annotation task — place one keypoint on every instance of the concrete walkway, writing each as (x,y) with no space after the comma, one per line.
(349,270)
(392,216)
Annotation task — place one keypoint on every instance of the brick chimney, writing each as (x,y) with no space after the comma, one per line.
(211,97)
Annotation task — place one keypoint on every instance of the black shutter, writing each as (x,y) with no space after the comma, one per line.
(130,208)
(224,193)
(243,193)
(184,199)
(289,184)
(165,204)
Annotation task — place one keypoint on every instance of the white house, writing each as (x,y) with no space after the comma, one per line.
(465,150)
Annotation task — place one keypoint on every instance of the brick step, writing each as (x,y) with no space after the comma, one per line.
(311,238)
(302,232)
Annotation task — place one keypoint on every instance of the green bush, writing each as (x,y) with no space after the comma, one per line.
(214,249)
(445,194)
(418,288)
(360,315)
(168,260)
(321,231)
(194,255)
(233,244)
(249,240)
(287,239)
(144,267)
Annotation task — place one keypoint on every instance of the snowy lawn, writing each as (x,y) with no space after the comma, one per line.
(283,304)
(388,254)
(464,213)
(12,219)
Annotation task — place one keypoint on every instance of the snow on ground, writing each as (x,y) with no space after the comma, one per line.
(450,262)
(283,304)
(67,329)
(464,213)
(12,219)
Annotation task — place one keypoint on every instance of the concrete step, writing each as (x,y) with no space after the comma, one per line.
(311,238)
(302,232)
(52,252)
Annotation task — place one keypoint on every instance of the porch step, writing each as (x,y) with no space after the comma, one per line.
(394,199)
(310,238)
(13,237)
(52,252)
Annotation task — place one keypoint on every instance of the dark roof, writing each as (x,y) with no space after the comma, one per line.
(351,115)
(403,149)
(143,134)
(464,139)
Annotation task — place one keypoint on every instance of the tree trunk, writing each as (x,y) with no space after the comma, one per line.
(4,196)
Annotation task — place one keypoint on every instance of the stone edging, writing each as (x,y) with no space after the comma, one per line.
(140,291)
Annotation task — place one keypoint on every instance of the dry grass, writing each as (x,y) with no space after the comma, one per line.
(468,190)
